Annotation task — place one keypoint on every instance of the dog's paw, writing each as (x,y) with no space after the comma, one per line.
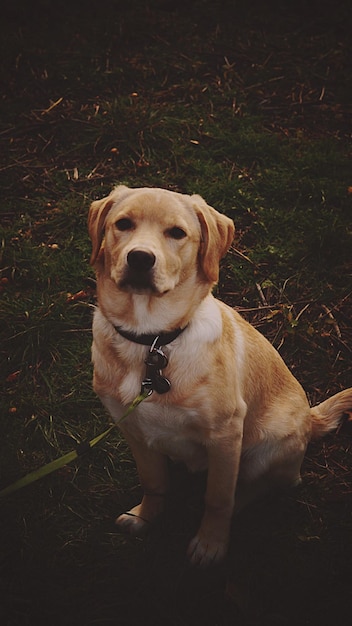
(203,553)
(133,524)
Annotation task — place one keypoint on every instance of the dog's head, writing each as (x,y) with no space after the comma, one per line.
(150,240)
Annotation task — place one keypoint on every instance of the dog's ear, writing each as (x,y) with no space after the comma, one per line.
(217,235)
(98,212)
(96,222)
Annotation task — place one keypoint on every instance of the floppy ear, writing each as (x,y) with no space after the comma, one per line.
(217,235)
(98,212)
(96,222)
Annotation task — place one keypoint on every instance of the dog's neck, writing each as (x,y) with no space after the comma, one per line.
(150,314)
(150,339)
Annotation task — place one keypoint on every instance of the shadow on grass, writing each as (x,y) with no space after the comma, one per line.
(289,562)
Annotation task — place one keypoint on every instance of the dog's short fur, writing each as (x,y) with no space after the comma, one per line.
(233,408)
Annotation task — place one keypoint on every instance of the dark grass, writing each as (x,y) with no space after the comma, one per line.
(248,104)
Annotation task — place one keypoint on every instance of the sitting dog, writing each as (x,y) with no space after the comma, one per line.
(221,398)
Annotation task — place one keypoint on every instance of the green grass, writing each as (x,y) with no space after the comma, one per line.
(247,104)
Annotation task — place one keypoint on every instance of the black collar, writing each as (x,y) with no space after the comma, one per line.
(155,339)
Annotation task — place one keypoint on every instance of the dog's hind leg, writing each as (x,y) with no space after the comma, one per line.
(256,482)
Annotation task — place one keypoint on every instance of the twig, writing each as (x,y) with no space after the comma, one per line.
(242,256)
(334,322)
(52,106)
(261,294)
(302,311)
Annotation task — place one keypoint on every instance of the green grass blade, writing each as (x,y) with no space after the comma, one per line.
(40,473)
(70,456)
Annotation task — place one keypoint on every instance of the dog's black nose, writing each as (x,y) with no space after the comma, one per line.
(140,260)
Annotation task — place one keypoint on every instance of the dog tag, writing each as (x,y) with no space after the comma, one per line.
(157,358)
(161,384)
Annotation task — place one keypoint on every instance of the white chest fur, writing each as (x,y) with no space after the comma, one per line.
(167,429)
(171,429)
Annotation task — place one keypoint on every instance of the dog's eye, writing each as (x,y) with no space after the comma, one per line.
(176,233)
(124,224)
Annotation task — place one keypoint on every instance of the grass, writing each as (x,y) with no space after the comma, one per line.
(247,104)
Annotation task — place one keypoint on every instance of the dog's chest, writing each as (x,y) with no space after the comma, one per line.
(171,430)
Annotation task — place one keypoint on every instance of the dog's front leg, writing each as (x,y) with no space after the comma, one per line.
(153,475)
(210,544)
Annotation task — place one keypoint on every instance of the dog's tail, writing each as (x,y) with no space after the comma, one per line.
(328,415)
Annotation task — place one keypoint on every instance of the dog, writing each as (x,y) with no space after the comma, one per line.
(220,397)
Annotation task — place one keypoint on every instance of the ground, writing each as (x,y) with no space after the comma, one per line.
(248,104)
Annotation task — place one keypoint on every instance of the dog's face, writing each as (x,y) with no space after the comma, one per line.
(151,240)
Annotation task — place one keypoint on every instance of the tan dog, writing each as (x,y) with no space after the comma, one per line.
(233,407)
